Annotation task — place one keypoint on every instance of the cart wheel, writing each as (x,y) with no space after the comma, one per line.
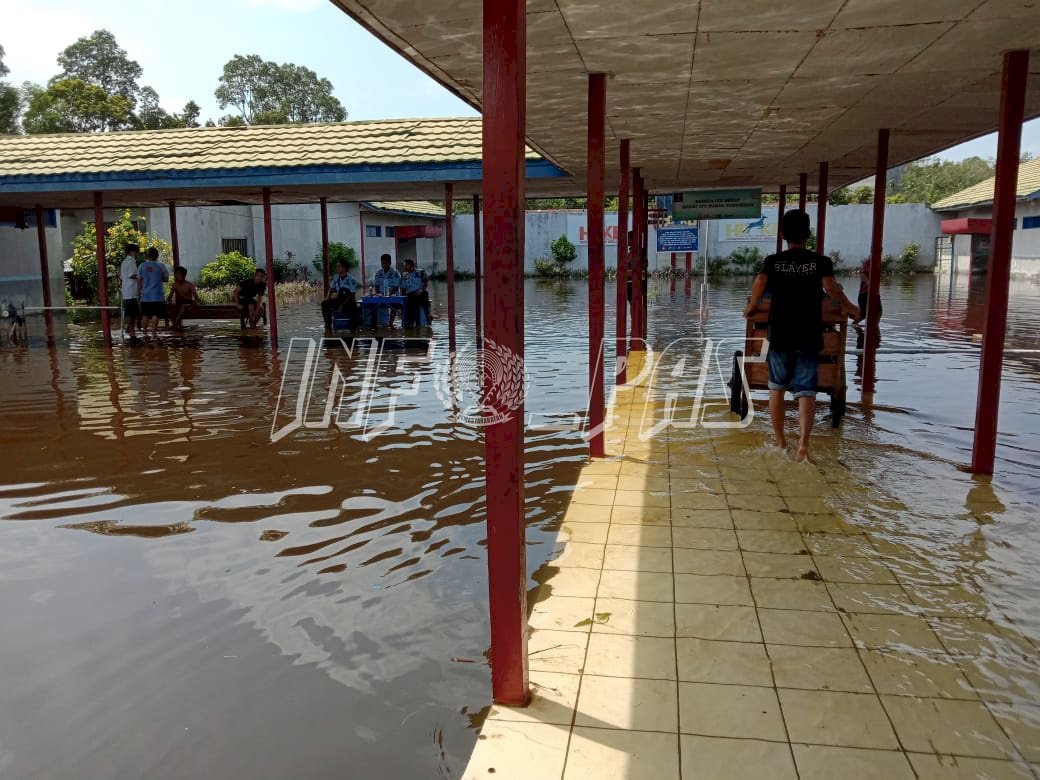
(837,408)
(736,387)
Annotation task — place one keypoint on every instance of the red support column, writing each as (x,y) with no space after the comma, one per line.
(504,130)
(272,305)
(821,208)
(1012,108)
(476,263)
(174,240)
(673,261)
(361,222)
(688,283)
(596,184)
(876,244)
(636,258)
(781,208)
(689,263)
(449,260)
(803,191)
(45,271)
(324,203)
(644,257)
(99,231)
(621,318)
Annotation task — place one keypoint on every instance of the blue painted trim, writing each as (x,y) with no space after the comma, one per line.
(263,177)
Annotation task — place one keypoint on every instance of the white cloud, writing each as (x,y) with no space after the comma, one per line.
(32,45)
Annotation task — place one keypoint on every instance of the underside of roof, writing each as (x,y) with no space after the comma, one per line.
(347,161)
(982,193)
(738,92)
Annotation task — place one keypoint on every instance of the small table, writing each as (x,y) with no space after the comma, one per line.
(376,309)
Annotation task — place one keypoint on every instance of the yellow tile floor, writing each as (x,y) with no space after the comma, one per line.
(710,617)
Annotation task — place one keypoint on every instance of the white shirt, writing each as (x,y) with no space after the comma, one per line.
(128,277)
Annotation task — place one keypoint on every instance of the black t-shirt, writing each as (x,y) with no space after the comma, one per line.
(251,289)
(796,290)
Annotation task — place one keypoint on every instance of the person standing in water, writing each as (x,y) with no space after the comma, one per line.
(796,280)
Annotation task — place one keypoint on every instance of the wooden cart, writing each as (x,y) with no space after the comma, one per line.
(831,371)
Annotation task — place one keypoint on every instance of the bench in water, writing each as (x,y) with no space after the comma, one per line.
(214,311)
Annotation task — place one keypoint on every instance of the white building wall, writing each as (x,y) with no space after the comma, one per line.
(21,282)
(848,232)
(1025,247)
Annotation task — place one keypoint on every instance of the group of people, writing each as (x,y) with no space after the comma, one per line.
(145,297)
(387,281)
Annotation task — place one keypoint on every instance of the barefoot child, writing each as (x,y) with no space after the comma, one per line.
(182,296)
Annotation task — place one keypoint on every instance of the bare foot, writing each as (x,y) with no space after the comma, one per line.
(780,443)
(803,456)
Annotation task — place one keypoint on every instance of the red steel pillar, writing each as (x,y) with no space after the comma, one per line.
(324,203)
(782,207)
(361,222)
(636,258)
(504,130)
(876,244)
(45,271)
(645,257)
(272,306)
(689,263)
(596,185)
(803,190)
(449,260)
(174,240)
(99,231)
(821,208)
(476,264)
(998,272)
(621,318)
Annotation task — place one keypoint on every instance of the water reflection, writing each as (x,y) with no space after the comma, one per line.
(253,609)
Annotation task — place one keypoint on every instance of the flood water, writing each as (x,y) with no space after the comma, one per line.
(181,597)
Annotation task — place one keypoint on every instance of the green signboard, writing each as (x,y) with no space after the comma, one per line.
(716,204)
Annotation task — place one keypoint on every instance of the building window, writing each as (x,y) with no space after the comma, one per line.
(1030,223)
(373,231)
(234,245)
(389,232)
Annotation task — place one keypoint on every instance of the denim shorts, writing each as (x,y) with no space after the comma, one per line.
(794,371)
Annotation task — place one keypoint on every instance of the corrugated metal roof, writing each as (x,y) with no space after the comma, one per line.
(982,193)
(377,143)
(419,208)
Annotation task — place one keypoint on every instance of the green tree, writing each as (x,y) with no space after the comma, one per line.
(74,106)
(932,179)
(563,251)
(338,253)
(97,59)
(117,236)
(228,268)
(863,194)
(10,101)
(264,92)
(840,197)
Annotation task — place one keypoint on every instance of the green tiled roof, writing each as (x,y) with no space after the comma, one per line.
(421,208)
(380,142)
(982,193)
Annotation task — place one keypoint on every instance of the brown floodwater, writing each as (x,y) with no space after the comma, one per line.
(181,597)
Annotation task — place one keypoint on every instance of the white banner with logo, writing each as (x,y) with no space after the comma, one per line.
(746,231)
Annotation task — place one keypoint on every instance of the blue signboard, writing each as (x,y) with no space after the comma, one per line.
(677,239)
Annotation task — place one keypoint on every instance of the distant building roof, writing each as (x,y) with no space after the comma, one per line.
(371,160)
(981,194)
(408,208)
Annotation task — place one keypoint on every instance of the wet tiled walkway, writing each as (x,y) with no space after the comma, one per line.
(711,615)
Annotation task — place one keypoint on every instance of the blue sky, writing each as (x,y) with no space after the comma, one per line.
(182,46)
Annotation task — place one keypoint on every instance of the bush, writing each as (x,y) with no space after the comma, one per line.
(744,260)
(907,262)
(338,252)
(545,268)
(717,266)
(229,268)
(887,264)
(284,270)
(123,232)
(563,251)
